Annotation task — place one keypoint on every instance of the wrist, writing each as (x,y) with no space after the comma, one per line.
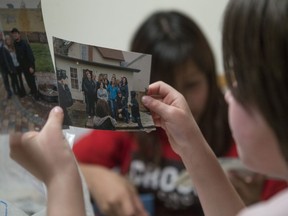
(66,168)
(65,193)
(63,173)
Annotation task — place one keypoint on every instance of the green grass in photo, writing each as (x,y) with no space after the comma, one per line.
(42,56)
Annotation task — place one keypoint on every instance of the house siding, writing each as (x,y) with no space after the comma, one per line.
(136,81)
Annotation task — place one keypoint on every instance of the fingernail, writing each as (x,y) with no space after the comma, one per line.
(57,109)
(145,99)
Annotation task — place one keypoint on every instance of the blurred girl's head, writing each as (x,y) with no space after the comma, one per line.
(182,57)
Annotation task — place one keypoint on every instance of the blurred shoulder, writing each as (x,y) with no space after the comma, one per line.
(276,206)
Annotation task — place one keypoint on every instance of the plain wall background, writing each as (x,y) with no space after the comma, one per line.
(112,23)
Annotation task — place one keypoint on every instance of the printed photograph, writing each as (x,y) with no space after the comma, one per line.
(28,83)
(100,87)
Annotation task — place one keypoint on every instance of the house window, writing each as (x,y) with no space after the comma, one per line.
(74,78)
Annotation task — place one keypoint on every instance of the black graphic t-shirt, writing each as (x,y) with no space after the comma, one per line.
(118,149)
(171,196)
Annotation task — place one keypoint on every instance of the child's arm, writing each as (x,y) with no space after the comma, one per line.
(112,192)
(172,113)
(47,156)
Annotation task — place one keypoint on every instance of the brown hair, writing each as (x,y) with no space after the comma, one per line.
(255,53)
(102,108)
(173,39)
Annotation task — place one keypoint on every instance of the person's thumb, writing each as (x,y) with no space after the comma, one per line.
(55,120)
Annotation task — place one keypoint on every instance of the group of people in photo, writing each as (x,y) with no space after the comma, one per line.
(17,59)
(107,101)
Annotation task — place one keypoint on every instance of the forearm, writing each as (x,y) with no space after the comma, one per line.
(92,175)
(65,195)
(171,111)
(213,187)
(112,192)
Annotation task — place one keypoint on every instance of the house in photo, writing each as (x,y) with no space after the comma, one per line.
(74,59)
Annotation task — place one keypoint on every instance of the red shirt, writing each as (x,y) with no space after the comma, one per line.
(106,148)
(115,149)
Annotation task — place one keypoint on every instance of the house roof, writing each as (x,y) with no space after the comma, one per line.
(111,53)
(104,52)
(81,61)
